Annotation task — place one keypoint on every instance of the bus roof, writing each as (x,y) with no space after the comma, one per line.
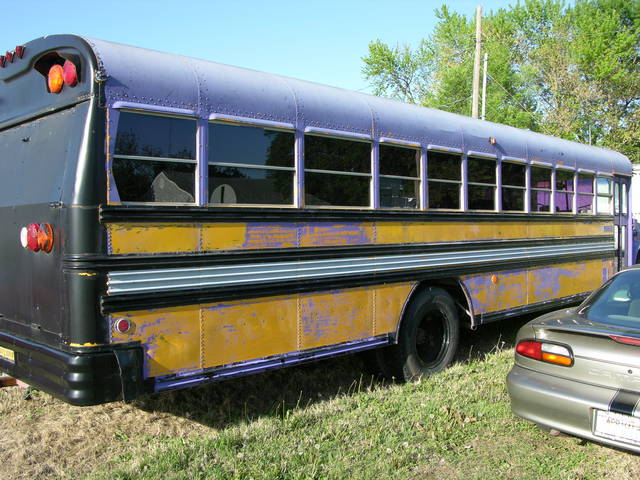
(208,90)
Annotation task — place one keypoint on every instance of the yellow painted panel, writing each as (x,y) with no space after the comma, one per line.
(234,236)
(335,317)
(406,232)
(389,306)
(153,238)
(330,234)
(245,330)
(522,287)
(223,236)
(556,281)
(167,238)
(508,291)
(568,229)
(170,338)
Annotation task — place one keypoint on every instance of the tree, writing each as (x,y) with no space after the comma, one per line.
(571,71)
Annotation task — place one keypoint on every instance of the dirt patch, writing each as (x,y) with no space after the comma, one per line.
(44,438)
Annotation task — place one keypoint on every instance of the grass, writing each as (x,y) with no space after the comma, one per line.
(323,421)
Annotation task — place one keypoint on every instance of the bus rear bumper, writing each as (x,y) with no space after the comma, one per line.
(82,376)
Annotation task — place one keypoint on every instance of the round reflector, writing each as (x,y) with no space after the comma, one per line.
(122,325)
(45,237)
(55,79)
(70,74)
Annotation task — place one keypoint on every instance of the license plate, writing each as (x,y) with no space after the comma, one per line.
(6,354)
(617,426)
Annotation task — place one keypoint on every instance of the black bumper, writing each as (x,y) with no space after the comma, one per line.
(82,376)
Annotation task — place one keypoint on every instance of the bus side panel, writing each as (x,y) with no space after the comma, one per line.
(151,238)
(504,290)
(187,339)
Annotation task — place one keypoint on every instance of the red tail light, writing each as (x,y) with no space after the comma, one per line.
(36,237)
(55,79)
(70,74)
(29,237)
(546,352)
(628,340)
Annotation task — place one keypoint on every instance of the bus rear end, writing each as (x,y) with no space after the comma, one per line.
(51,181)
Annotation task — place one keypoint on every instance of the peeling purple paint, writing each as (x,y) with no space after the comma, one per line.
(269,235)
(331,234)
(508,292)
(546,281)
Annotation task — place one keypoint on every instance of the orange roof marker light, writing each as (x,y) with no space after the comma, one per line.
(55,79)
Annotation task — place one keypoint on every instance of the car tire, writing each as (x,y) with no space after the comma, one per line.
(428,337)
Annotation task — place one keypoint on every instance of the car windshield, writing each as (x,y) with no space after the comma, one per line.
(617,302)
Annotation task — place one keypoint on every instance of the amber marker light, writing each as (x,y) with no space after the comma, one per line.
(45,237)
(55,79)
(69,73)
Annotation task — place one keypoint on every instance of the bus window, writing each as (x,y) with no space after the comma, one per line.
(514,186)
(481,174)
(250,165)
(564,191)
(585,193)
(604,196)
(337,172)
(540,189)
(154,158)
(399,177)
(444,174)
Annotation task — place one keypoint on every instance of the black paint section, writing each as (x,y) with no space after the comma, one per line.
(624,401)
(165,214)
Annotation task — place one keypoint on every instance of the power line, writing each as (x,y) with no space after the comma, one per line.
(533,114)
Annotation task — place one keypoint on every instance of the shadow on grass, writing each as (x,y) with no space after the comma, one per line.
(272,394)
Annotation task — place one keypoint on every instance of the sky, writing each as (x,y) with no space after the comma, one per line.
(321,41)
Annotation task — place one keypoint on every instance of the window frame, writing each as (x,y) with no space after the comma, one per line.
(388,142)
(345,136)
(523,188)
(494,186)
(591,174)
(609,195)
(460,183)
(113,120)
(532,189)
(272,126)
(573,173)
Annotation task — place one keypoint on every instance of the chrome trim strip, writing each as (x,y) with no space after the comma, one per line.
(250,122)
(158,280)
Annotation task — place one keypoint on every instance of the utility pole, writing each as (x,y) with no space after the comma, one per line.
(484,87)
(476,64)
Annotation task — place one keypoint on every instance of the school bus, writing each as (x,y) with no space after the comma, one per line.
(168,221)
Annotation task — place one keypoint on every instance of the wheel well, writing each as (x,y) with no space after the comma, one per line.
(454,288)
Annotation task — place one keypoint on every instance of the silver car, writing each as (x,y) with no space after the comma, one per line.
(577,370)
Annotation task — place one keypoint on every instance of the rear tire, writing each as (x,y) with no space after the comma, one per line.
(428,337)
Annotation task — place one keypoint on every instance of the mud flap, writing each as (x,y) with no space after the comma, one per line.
(130,365)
